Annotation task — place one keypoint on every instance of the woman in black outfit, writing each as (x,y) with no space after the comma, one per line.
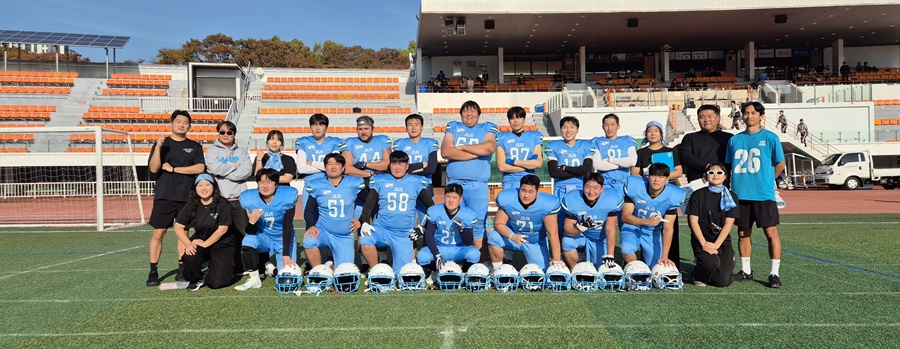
(275,159)
(711,213)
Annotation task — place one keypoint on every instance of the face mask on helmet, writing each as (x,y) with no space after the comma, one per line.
(531,277)
(558,278)
(611,279)
(381,279)
(584,277)
(478,278)
(412,278)
(450,277)
(506,279)
(638,277)
(289,280)
(346,278)
(667,278)
(319,279)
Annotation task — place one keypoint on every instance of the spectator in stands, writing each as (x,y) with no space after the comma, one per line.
(230,165)
(813,76)
(635,74)
(707,146)
(690,74)
(210,215)
(470,84)
(273,158)
(622,74)
(441,76)
(634,85)
(521,79)
(845,72)
(175,161)
(486,78)
(859,68)
(468,147)
(867,67)
(803,130)
(826,72)
(782,121)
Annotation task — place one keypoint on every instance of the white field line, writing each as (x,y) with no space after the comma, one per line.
(68,262)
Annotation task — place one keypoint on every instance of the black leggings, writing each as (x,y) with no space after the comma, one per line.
(221,264)
(713,270)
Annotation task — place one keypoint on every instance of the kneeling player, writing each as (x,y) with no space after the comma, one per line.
(523,221)
(396,195)
(330,208)
(591,216)
(651,205)
(270,210)
(449,231)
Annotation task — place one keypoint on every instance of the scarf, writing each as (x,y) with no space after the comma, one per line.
(274,161)
(727,202)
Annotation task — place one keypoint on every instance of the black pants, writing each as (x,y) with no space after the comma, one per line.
(221,264)
(240,220)
(713,270)
(675,248)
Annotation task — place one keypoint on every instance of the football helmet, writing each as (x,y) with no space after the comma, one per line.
(412,278)
(478,278)
(611,279)
(346,278)
(450,277)
(381,278)
(584,277)
(638,276)
(506,278)
(558,278)
(319,278)
(289,279)
(667,278)
(531,277)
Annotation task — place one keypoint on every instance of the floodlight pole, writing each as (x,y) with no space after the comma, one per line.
(107,61)
(57,57)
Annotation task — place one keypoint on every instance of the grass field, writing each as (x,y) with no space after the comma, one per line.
(85,289)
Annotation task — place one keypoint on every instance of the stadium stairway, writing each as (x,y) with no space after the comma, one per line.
(69,113)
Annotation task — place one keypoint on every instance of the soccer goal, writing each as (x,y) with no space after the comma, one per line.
(69,176)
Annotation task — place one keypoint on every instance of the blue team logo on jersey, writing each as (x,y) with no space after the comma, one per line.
(441,222)
(604,143)
(580,213)
(358,146)
(460,130)
(326,192)
(389,185)
(310,147)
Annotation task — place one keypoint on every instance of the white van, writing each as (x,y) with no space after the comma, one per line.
(851,170)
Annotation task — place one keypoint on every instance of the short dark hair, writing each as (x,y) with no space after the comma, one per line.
(399,156)
(337,157)
(516,112)
(658,169)
(470,105)
(593,176)
(571,119)
(611,115)
(713,107)
(532,180)
(181,112)
(318,119)
(756,106)
(453,188)
(270,173)
(231,126)
(414,117)
(275,133)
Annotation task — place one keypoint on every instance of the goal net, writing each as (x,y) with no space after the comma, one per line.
(70,176)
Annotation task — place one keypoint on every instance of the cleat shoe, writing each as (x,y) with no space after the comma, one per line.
(699,283)
(194,286)
(742,277)
(250,284)
(774,281)
(180,275)
(153,279)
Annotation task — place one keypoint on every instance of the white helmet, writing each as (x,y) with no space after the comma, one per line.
(506,278)
(532,277)
(611,279)
(412,278)
(638,276)
(667,277)
(450,277)
(585,277)
(558,278)
(289,279)
(381,278)
(346,278)
(478,278)
(319,278)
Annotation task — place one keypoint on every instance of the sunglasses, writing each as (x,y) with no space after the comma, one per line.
(226,133)
(715,172)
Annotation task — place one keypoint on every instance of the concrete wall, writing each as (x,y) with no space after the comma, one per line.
(428,101)
(446,64)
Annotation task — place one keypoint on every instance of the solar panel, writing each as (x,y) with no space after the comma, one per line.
(68,39)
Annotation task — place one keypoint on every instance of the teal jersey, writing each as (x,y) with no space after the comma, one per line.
(617,148)
(645,206)
(446,233)
(418,152)
(753,158)
(569,156)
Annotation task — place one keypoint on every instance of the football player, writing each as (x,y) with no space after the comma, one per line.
(614,155)
(468,147)
(591,216)
(422,153)
(518,151)
(270,212)
(525,220)
(448,231)
(330,210)
(395,226)
(311,151)
(568,160)
(367,153)
(651,205)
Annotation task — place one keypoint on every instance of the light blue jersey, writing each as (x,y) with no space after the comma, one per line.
(316,152)
(648,238)
(397,201)
(528,221)
(370,151)
(478,169)
(610,202)
(571,157)
(617,148)
(273,212)
(446,233)
(418,152)
(518,147)
(335,203)
(753,158)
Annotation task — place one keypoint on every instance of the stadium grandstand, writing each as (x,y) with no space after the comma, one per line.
(643,60)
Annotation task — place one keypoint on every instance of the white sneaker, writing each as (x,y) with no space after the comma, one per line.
(270,269)
(699,283)
(252,282)
(430,279)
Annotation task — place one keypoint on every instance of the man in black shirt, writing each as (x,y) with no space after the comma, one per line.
(705,147)
(175,161)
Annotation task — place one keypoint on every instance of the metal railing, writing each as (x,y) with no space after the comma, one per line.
(167,104)
(74,189)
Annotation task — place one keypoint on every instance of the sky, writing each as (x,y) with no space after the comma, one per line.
(157,24)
